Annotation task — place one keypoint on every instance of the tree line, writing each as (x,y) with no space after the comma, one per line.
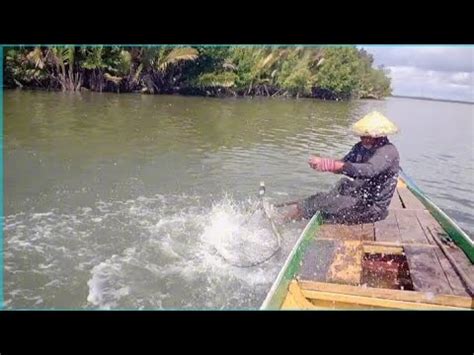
(332,73)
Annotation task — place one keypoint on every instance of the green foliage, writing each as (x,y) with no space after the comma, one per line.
(223,79)
(24,67)
(295,75)
(93,58)
(343,72)
(340,71)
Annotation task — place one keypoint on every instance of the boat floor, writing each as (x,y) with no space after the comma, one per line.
(393,263)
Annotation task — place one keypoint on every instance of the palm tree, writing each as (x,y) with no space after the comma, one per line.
(159,66)
(63,61)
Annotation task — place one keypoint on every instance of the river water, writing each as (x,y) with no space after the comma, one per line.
(146,202)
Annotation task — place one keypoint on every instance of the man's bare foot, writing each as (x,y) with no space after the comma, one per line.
(292,213)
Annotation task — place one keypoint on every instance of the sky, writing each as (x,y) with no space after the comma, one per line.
(441,72)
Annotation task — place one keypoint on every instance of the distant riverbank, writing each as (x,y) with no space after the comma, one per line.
(432,99)
(328,73)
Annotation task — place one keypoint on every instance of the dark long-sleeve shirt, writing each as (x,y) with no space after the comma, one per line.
(375,173)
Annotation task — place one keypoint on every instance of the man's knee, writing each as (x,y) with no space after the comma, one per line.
(309,206)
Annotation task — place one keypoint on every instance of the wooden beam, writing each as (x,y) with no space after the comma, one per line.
(395,202)
(427,221)
(397,295)
(340,231)
(318,259)
(289,302)
(383,249)
(370,301)
(347,264)
(425,270)
(401,184)
(410,229)
(368,232)
(324,304)
(295,299)
(387,229)
(389,244)
(462,261)
(409,200)
(347,232)
(295,290)
(454,281)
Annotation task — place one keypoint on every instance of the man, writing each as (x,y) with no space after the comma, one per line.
(373,165)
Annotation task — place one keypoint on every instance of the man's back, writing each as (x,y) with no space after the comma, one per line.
(375,173)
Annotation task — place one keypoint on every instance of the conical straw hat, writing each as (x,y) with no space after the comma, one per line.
(374,125)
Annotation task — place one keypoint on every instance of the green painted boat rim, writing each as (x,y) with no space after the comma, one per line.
(451,228)
(278,291)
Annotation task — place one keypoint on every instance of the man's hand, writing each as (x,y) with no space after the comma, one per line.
(325,164)
(314,162)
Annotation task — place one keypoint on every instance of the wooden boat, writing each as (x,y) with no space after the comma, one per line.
(417,258)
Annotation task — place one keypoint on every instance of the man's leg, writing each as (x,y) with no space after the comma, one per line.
(293,214)
(331,206)
(304,209)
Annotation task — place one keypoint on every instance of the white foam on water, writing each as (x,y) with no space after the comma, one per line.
(86,210)
(197,248)
(102,292)
(240,237)
(40,215)
(152,252)
(43,266)
(54,283)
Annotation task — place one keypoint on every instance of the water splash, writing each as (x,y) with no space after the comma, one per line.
(150,252)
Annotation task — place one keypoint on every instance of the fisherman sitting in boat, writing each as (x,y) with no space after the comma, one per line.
(372,164)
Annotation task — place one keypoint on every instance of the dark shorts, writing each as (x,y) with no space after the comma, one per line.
(339,209)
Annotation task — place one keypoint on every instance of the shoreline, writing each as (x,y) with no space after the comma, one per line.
(432,99)
(186,93)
